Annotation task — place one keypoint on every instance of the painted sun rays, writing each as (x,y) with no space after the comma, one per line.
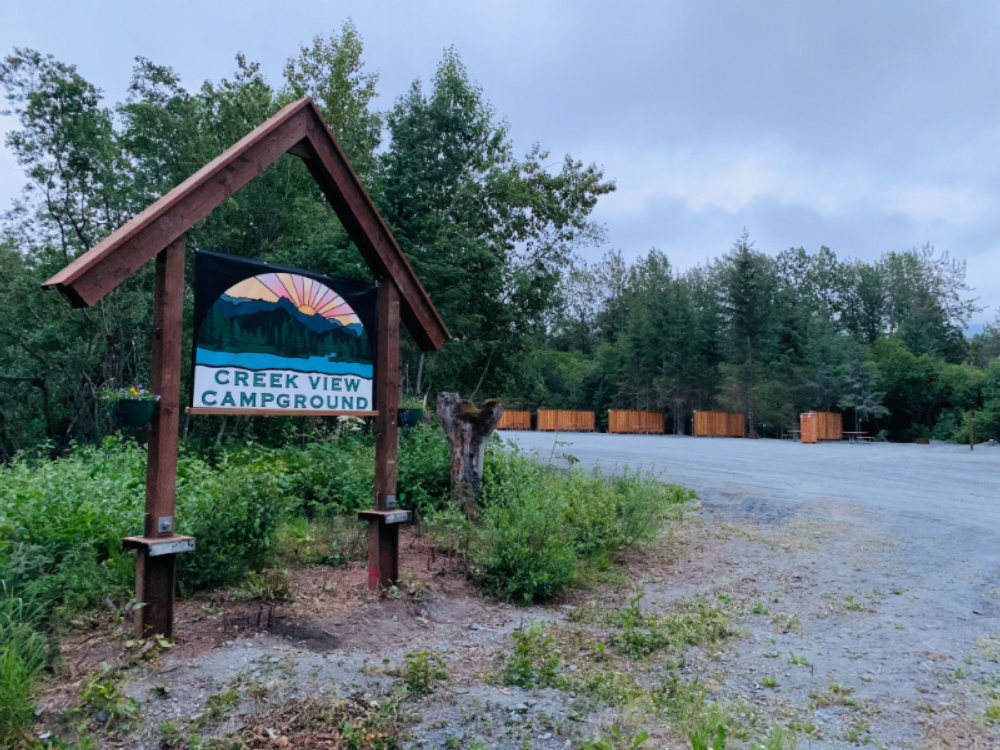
(309,296)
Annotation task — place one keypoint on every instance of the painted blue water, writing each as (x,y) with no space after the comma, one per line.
(255,361)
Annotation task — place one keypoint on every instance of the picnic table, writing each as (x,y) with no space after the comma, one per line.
(854,436)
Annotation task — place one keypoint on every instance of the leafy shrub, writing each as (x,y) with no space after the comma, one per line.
(232,509)
(539,526)
(422,671)
(534,662)
(524,553)
(424,458)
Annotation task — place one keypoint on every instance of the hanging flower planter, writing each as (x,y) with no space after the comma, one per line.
(410,417)
(131,407)
(134,414)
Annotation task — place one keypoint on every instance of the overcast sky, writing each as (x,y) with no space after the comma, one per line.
(863,126)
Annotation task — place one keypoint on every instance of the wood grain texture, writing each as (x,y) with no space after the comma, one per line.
(562,420)
(515,420)
(622,421)
(165,381)
(387,394)
(821,425)
(720,424)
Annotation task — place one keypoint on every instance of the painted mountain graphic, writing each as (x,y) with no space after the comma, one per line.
(284,315)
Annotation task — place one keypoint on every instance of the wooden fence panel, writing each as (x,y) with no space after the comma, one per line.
(560,420)
(821,425)
(635,422)
(515,420)
(719,424)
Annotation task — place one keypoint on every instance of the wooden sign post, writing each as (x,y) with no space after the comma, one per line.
(159,232)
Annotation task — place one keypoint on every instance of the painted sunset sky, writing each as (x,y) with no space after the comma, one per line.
(309,297)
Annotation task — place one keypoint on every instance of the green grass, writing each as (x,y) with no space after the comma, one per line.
(23,656)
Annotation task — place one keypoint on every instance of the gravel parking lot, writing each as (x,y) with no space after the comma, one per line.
(888,555)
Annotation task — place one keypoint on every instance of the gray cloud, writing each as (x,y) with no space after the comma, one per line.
(864,126)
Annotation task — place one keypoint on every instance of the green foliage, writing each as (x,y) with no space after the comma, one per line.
(708,738)
(488,232)
(539,526)
(216,708)
(534,661)
(778,739)
(523,553)
(24,653)
(267,585)
(105,703)
(321,540)
(615,739)
(695,623)
(767,335)
(422,671)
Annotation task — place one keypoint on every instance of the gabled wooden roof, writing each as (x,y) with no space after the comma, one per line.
(298,129)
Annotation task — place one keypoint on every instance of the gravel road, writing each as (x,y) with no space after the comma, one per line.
(889,555)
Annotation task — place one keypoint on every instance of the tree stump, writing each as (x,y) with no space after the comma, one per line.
(467,428)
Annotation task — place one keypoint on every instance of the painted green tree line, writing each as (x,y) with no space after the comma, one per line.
(275,330)
(494,235)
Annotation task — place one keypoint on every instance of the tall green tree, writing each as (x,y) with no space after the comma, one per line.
(490,234)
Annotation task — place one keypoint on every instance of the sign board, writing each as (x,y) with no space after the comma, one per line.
(272,340)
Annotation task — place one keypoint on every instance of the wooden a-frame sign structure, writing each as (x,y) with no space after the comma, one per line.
(159,232)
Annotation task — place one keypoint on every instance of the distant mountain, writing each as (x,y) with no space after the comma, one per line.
(233,306)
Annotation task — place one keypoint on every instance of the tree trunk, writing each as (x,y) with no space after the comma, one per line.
(467,428)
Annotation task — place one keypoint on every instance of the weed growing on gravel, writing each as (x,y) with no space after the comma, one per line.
(694,624)
(609,687)
(708,738)
(859,731)
(686,707)
(770,681)
(105,703)
(837,695)
(216,708)
(851,605)
(989,647)
(786,623)
(352,724)
(422,671)
(797,660)
(169,732)
(534,662)
(615,739)
(776,739)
